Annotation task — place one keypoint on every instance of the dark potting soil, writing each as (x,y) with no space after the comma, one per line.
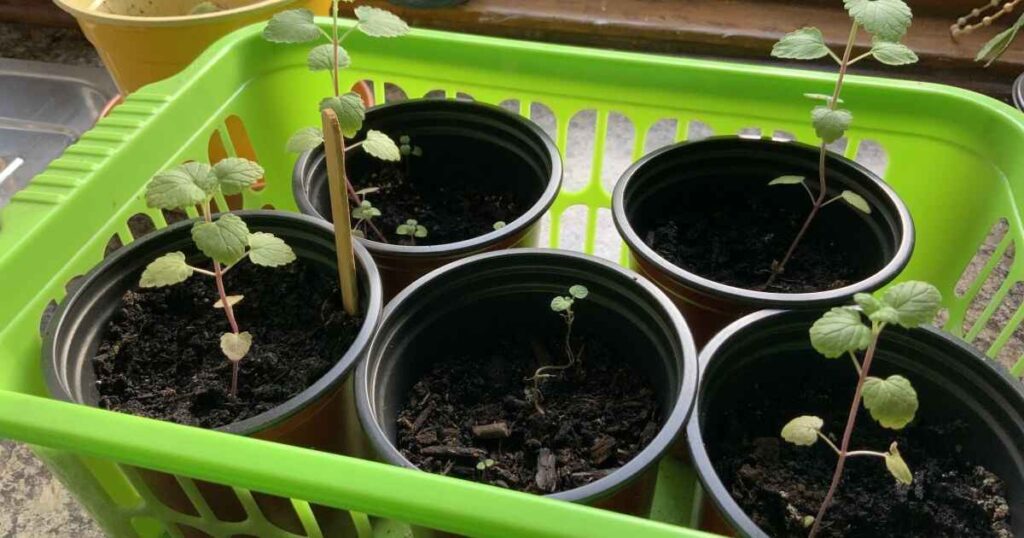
(734,239)
(778,483)
(451,212)
(161,357)
(597,416)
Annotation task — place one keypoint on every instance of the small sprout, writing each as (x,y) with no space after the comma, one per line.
(365,211)
(892,401)
(483,465)
(807,521)
(561,304)
(226,241)
(499,225)
(406,147)
(412,229)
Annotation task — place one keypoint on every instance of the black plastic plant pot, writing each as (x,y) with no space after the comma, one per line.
(309,419)
(490,147)
(654,188)
(765,362)
(493,295)
(1018,92)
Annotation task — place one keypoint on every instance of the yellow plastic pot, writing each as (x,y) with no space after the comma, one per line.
(143,41)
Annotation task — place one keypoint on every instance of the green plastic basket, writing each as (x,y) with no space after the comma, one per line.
(955,157)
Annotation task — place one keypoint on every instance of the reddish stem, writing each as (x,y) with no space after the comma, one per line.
(851,421)
(229,311)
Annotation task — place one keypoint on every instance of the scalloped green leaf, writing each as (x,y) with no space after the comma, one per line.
(350,109)
(803,44)
(269,250)
(890,53)
(839,331)
(321,58)
(891,401)
(830,125)
(381,146)
(561,304)
(292,26)
(917,303)
(166,270)
(802,431)
(178,187)
(579,291)
(377,22)
(885,19)
(305,139)
(235,174)
(867,302)
(223,240)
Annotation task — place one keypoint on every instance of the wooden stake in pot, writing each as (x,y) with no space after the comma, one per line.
(334,148)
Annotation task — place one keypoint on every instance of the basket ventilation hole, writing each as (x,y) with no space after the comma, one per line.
(435,94)
(545,118)
(544,239)
(572,231)
(278,511)
(981,257)
(242,143)
(268,207)
(140,224)
(222,501)
(992,284)
(783,136)
(113,244)
(192,532)
(662,133)
(1010,351)
(462,96)
(619,141)
(839,146)
(394,93)
(698,130)
(873,155)
(750,132)
(579,150)
(367,90)
(511,105)
(164,488)
(173,215)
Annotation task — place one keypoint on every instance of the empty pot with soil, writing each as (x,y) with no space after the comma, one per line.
(474,177)
(702,221)
(964,448)
(158,352)
(542,371)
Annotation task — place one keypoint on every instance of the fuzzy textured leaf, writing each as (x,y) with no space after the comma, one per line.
(381,146)
(884,19)
(232,301)
(917,303)
(174,189)
(561,304)
(350,110)
(236,346)
(897,467)
(787,180)
(579,291)
(236,175)
(885,314)
(839,331)
(998,44)
(380,23)
(802,431)
(305,139)
(269,250)
(867,302)
(890,53)
(321,58)
(223,240)
(803,44)
(292,26)
(891,401)
(856,201)
(830,125)
(166,270)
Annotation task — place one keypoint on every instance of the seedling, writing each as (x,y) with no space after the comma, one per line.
(364,215)
(499,225)
(562,305)
(891,401)
(483,466)
(297,26)
(887,21)
(227,240)
(412,229)
(406,147)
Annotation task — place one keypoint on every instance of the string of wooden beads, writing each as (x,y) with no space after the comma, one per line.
(998,8)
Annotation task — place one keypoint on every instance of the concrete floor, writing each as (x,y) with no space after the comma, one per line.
(34,504)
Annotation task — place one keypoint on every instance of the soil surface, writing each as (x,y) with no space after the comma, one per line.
(161,357)
(778,484)
(472,408)
(734,239)
(451,211)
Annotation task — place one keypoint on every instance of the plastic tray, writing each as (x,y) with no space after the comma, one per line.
(956,158)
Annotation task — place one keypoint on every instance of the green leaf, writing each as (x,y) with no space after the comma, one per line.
(890,53)
(885,19)
(802,431)
(365,211)
(867,302)
(998,44)
(499,225)
(856,201)
(269,250)
(803,44)
(235,346)
(891,401)
(350,110)
(321,58)
(917,303)
(223,240)
(367,190)
(175,189)
(421,231)
(232,301)
(839,331)
(405,229)
(292,26)
(787,180)
(166,270)
(305,139)
(380,145)
(830,125)
(886,314)
(561,304)
(236,175)
(897,467)
(380,23)
(579,291)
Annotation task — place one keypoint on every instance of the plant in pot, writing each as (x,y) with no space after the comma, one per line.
(231,322)
(932,438)
(719,223)
(457,168)
(542,371)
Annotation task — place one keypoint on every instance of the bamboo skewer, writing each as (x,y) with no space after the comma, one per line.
(334,148)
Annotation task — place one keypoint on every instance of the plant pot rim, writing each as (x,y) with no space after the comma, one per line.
(762,299)
(1018,92)
(329,380)
(100,17)
(675,418)
(712,482)
(311,159)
